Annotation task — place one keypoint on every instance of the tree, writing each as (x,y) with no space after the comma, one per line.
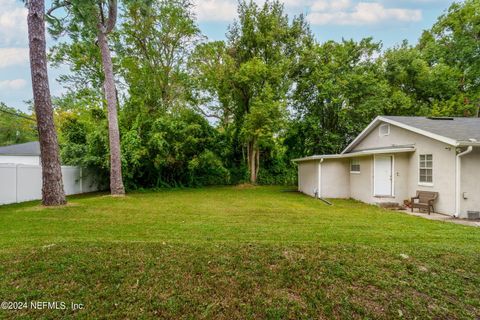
(454,42)
(155,41)
(246,80)
(52,184)
(105,26)
(98,17)
(339,89)
(16,126)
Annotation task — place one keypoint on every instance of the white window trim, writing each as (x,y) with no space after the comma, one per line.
(380,130)
(420,183)
(355,172)
(425,184)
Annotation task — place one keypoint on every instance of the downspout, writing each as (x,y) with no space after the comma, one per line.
(318,194)
(319,179)
(458,166)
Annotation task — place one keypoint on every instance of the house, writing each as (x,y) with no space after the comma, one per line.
(395,156)
(24,153)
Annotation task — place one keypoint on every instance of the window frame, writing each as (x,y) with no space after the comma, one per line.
(357,164)
(425,167)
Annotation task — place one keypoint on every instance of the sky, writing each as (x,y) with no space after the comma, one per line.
(387,21)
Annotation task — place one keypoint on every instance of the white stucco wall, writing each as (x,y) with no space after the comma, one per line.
(308,177)
(335,180)
(362,185)
(29,160)
(470,182)
(336,177)
(443,165)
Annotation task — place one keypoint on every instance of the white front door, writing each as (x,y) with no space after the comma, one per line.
(382,176)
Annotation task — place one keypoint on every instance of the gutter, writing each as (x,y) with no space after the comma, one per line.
(458,166)
(357,154)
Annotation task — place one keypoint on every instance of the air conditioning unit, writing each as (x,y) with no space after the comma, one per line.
(473,215)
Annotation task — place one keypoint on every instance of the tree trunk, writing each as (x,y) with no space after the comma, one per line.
(253,160)
(53,193)
(116,182)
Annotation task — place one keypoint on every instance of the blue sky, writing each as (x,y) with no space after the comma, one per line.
(385,20)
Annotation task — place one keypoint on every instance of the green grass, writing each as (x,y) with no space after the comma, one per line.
(235,253)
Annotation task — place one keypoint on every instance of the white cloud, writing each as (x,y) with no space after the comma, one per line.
(343,12)
(13,23)
(296,3)
(226,10)
(339,12)
(13,57)
(216,10)
(324,5)
(15,84)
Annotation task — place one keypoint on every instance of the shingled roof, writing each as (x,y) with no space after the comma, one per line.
(22,149)
(459,129)
(453,131)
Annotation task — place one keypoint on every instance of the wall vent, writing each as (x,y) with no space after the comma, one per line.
(440,118)
(384,130)
(473,215)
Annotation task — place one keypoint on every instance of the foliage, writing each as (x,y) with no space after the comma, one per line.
(196,112)
(248,77)
(453,44)
(153,44)
(16,126)
(340,88)
(178,150)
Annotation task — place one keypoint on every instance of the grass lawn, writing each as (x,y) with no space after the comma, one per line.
(235,253)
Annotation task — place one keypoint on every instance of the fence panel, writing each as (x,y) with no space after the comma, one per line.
(29,183)
(8,183)
(20,183)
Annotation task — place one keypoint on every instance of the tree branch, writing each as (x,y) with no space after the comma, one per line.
(57,6)
(207,115)
(112,15)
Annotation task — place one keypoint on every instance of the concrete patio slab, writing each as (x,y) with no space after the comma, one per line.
(442,217)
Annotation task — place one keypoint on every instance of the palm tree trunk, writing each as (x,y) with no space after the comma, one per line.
(52,185)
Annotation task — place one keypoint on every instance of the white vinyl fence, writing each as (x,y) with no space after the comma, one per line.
(19,183)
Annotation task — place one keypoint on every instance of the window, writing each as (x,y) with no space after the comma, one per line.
(426,169)
(355,166)
(384,130)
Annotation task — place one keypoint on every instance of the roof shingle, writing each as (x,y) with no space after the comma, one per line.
(459,129)
(23,149)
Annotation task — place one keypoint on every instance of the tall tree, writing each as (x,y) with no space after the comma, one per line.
(156,38)
(339,89)
(454,42)
(52,185)
(104,27)
(97,17)
(257,59)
